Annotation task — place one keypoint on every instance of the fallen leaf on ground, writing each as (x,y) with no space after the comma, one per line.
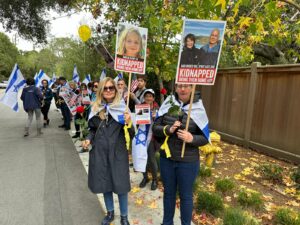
(293,203)
(135,189)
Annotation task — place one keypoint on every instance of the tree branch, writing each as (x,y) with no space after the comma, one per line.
(290,2)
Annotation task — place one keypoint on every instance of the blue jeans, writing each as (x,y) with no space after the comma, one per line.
(123,202)
(182,175)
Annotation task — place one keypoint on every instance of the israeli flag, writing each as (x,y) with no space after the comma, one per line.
(103,74)
(87,79)
(119,76)
(140,144)
(52,80)
(75,77)
(198,113)
(116,111)
(35,76)
(15,83)
(40,77)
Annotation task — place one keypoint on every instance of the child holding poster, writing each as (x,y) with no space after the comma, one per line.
(131,43)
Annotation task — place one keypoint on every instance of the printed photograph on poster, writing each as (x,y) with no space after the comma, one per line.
(71,99)
(85,97)
(142,114)
(200,50)
(131,48)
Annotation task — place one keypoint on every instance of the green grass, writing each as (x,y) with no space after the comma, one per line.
(250,198)
(285,216)
(209,202)
(235,216)
(204,171)
(271,172)
(224,185)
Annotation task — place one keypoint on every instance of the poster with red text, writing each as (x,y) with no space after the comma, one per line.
(131,48)
(200,50)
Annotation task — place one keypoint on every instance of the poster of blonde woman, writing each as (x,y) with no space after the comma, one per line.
(200,50)
(131,48)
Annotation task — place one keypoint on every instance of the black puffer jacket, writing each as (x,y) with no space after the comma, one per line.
(174,143)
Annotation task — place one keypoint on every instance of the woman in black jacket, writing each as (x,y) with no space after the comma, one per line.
(108,159)
(176,171)
(46,102)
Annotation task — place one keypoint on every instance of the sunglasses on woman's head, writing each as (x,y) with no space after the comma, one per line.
(109,88)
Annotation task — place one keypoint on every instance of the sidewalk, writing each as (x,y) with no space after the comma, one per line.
(145,205)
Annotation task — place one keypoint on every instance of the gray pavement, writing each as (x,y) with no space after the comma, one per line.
(42,180)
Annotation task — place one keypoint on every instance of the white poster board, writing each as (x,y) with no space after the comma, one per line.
(131,48)
(200,50)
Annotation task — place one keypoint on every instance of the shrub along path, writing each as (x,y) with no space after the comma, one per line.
(256,183)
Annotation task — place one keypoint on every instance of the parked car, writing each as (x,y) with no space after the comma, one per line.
(4,84)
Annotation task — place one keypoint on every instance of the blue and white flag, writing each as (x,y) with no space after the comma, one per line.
(119,76)
(15,83)
(116,111)
(35,76)
(140,144)
(198,113)
(103,74)
(87,79)
(40,77)
(75,77)
(52,80)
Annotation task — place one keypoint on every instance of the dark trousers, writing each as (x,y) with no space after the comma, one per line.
(151,161)
(45,111)
(77,127)
(182,175)
(66,115)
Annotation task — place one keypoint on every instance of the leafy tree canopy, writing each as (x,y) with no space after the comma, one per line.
(28,17)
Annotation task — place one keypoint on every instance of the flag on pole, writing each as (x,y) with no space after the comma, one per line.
(75,77)
(134,83)
(103,74)
(40,77)
(52,80)
(87,79)
(35,76)
(16,81)
(119,76)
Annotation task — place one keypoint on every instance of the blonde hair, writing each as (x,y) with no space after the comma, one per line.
(121,46)
(72,83)
(99,96)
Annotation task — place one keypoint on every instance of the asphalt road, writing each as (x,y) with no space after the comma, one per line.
(42,180)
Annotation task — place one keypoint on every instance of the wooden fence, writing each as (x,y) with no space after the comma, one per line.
(257,107)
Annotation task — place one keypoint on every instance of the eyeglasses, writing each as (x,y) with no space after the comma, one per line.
(95,86)
(109,88)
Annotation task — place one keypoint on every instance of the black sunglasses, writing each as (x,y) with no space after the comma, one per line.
(111,88)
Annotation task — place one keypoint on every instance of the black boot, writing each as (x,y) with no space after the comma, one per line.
(154,185)
(77,135)
(124,220)
(144,181)
(109,218)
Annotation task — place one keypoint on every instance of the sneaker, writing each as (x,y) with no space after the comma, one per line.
(144,182)
(76,135)
(48,121)
(62,126)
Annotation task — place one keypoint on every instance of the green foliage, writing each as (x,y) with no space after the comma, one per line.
(204,171)
(250,198)
(285,216)
(27,18)
(209,202)
(235,216)
(271,172)
(83,123)
(296,176)
(8,56)
(224,185)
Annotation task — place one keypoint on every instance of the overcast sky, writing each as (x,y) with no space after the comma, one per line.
(66,26)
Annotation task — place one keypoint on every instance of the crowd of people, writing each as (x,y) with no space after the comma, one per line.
(112,131)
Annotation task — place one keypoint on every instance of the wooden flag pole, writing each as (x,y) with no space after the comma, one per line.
(128,92)
(188,117)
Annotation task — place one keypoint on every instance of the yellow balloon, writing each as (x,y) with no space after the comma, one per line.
(84,32)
